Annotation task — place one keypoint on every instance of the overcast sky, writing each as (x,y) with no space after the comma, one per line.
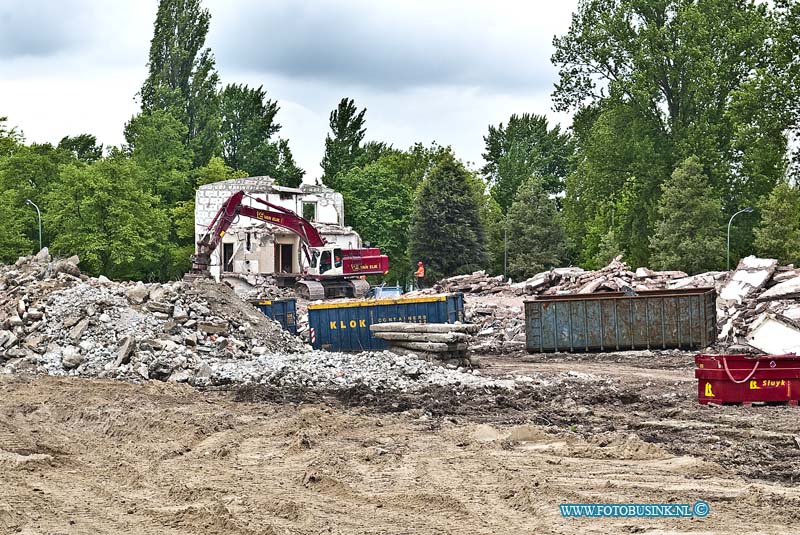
(435,70)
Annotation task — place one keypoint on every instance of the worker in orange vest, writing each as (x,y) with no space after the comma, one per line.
(420,275)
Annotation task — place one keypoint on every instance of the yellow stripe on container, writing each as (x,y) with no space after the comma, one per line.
(369,303)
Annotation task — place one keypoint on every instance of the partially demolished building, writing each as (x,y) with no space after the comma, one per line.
(256,247)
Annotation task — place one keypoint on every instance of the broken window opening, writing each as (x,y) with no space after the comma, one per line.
(310,211)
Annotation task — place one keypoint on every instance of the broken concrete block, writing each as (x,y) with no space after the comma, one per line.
(773,335)
(7,339)
(592,286)
(159,306)
(137,294)
(69,321)
(124,351)
(35,342)
(71,357)
(43,255)
(212,327)
(31,315)
(793,313)
(77,331)
(789,289)
(15,321)
(65,266)
(180,315)
(750,276)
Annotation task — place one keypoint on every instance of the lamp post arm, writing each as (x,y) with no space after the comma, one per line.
(748,209)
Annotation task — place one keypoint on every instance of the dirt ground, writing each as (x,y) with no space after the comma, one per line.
(84,456)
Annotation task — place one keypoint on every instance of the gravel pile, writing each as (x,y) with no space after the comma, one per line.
(55,320)
(326,370)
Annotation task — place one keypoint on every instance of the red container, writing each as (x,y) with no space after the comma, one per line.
(747,379)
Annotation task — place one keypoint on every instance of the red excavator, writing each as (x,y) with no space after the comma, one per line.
(331,271)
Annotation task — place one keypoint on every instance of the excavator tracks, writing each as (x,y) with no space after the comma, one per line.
(310,289)
(330,289)
(360,287)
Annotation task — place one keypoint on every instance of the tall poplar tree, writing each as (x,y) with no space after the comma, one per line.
(182,78)
(343,144)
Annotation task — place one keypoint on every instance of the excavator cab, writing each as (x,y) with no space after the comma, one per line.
(326,261)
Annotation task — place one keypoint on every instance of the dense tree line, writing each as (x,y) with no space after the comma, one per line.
(683,114)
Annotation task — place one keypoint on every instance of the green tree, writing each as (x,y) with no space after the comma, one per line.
(83,147)
(343,147)
(30,172)
(622,161)
(287,172)
(103,215)
(687,77)
(494,221)
(156,143)
(14,241)
(536,236)
(524,148)
(778,233)
(10,138)
(446,230)
(248,123)
(182,79)
(379,196)
(379,208)
(690,231)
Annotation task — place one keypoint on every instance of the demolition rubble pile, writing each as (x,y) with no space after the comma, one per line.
(759,306)
(257,286)
(446,342)
(615,277)
(56,320)
(499,310)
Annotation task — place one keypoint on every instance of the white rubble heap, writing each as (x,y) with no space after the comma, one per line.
(760,300)
(55,320)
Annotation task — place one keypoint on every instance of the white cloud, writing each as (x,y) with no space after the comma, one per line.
(425,71)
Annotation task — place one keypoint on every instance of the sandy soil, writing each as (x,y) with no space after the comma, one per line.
(88,456)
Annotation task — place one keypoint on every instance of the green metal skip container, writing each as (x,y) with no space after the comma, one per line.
(654,319)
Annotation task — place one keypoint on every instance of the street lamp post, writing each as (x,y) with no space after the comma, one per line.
(743,210)
(39,213)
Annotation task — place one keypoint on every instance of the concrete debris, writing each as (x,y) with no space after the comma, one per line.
(788,289)
(55,320)
(750,276)
(758,286)
(757,289)
(445,342)
(615,277)
(252,286)
(496,304)
(775,335)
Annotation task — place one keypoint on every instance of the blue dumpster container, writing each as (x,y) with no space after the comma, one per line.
(284,311)
(345,326)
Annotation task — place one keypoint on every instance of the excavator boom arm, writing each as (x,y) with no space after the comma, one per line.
(233,207)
